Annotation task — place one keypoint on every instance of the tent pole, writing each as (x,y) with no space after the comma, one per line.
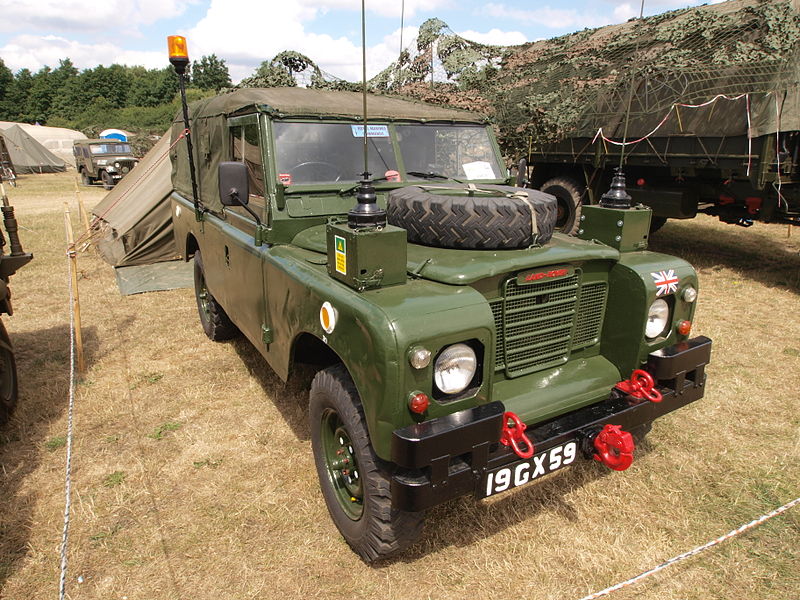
(76,306)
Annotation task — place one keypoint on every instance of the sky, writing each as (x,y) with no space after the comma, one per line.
(246,32)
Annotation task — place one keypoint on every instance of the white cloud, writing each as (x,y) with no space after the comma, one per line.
(272,28)
(34,51)
(625,11)
(391,8)
(495,37)
(556,18)
(83,15)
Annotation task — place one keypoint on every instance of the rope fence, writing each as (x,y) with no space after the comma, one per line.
(693,552)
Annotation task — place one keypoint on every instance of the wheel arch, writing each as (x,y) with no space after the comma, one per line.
(192,246)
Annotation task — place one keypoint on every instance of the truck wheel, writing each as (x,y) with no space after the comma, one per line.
(488,217)
(108,180)
(8,377)
(657,223)
(354,482)
(568,193)
(85,179)
(213,317)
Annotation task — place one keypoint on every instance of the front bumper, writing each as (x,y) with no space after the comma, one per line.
(445,458)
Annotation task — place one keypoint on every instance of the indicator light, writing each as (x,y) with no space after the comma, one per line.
(419,357)
(418,403)
(684,327)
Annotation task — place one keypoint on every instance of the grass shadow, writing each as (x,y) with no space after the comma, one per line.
(756,256)
(290,397)
(43,371)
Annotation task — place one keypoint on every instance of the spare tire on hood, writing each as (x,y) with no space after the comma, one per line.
(473,216)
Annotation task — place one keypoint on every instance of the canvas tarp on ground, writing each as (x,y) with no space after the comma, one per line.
(133,222)
(28,155)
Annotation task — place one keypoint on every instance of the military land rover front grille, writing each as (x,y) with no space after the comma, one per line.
(539,324)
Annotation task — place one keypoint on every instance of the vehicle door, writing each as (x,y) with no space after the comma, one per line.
(242,289)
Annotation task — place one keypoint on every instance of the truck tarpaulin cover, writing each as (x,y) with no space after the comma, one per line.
(133,220)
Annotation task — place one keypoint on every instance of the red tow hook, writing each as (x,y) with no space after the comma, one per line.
(514,434)
(614,447)
(640,385)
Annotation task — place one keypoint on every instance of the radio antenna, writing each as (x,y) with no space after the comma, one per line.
(630,92)
(366,213)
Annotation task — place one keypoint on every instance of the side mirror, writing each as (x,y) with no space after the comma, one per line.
(234,187)
(522,172)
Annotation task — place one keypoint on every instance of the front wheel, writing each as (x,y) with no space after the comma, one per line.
(354,482)
(8,377)
(568,193)
(108,180)
(85,179)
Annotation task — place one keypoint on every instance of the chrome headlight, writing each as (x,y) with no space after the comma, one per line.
(454,369)
(690,294)
(657,318)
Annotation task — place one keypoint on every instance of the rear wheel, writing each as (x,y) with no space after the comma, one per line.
(354,481)
(213,318)
(8,377)
(108,180)
(568,193)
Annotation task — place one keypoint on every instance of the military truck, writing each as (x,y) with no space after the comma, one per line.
(701,106)
(103,160)
(462,347)
(10,263)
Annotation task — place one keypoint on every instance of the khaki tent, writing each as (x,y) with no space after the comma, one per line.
(56,139)
(28,155)
(133,221)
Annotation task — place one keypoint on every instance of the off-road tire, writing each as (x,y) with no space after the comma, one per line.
(107,179)
(213,318)
(379,530)
(457,220)
(85,179)
(657,223)
(569,194)
(8,377)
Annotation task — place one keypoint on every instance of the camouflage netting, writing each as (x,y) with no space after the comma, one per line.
(574,84)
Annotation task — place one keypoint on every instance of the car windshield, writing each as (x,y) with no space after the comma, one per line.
(453,151)
(110,149)
(334,152)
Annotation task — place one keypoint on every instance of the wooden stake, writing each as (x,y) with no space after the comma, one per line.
(76,307)
(84,216)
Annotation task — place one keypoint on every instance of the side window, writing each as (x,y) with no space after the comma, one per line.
(245,148)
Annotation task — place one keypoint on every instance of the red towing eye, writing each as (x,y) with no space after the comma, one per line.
(640,385)
(614,447)
(514,433)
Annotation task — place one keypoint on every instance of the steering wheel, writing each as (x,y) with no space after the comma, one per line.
(331,169)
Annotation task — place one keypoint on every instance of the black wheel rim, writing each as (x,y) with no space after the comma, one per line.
(341,465)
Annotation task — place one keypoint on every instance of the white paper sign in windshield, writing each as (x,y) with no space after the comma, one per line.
(372,130)
(480,169)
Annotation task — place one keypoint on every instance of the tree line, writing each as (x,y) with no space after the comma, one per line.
(120,96)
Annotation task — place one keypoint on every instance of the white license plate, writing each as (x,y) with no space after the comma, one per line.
(525,471)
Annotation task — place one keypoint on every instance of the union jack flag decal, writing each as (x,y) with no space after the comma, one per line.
(666,282)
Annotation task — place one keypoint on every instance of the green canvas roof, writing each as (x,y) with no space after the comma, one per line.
(302,102)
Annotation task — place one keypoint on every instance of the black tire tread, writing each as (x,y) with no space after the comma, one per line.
(7,402)
(217,325)
(471,222)
(382,530)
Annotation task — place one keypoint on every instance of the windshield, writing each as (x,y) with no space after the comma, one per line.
(328,152)
(110,149)
(334,152)
(454,151)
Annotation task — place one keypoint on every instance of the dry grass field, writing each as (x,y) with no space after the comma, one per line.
(193,475)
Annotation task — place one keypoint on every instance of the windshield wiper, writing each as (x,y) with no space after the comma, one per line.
(432,175)
(352,188)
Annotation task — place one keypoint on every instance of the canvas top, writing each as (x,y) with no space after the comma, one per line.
(302,102)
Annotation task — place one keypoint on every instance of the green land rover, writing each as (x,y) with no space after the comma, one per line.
(103,160)
(463,347)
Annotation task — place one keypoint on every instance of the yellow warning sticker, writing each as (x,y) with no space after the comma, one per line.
(341,254)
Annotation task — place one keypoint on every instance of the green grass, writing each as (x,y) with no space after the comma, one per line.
(158,432)
(54,443)
(114,479)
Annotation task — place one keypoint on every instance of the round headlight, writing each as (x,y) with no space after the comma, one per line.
(419,357)
(657,318)
(690,294)
(455,368)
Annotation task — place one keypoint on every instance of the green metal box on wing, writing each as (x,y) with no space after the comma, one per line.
(366,258)
(623,229)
